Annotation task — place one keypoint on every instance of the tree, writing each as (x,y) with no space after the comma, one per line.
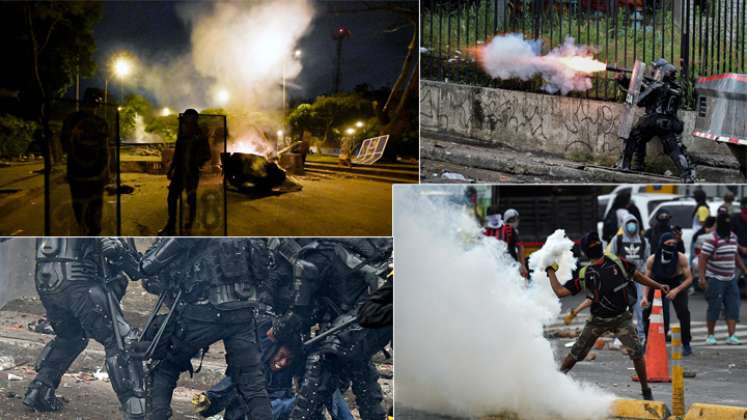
(328,113)
(52,43)
(399,112)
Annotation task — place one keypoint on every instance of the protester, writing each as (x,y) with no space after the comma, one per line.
(728,201)
(506,229)
(607,280)
(633,247)
(717,275)
(622,202)
(670,267)
(699,237)
(701,211)
(662,226)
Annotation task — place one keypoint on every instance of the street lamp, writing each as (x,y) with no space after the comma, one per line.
(359,124)
(222,96)
(165,112)
(350,131)
(121,67)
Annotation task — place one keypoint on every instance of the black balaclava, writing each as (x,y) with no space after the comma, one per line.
(663,220)
(591,245)
(723,223)
(665,261)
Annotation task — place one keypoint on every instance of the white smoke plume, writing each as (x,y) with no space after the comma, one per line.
(566,68)
(469,337)
(240,52)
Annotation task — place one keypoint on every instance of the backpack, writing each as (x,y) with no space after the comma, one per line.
(627,286)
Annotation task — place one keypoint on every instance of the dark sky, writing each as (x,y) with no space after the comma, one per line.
(373,54)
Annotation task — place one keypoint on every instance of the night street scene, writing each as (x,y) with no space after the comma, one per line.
(273,117)
(590,91)
(570,301)
(133,328)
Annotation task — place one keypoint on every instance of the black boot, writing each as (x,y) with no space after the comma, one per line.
(647,394)
(627,156)
(40,397)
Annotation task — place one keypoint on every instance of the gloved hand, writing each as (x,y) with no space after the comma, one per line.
(553,267)
(570,317)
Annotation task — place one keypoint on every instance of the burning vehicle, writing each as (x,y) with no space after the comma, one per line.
(249,172)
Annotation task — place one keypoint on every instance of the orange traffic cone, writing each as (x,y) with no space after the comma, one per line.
(657,361)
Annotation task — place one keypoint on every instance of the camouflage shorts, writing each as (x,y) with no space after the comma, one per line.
(620,326)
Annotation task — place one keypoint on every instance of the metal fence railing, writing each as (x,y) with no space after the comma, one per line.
(700,37)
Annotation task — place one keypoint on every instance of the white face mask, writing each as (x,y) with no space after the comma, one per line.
(494,220)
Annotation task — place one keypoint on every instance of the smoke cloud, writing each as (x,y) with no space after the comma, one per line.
(566,68)
(469,337)
(239,53)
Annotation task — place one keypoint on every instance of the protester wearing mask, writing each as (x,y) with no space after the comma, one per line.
(606,279)
(670,267)
(622,202)
(662,226)
(717,265)
(633,247)
(506,229)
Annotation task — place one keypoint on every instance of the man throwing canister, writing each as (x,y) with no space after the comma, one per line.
(608,281)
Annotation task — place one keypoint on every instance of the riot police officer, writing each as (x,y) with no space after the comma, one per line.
(80,283)
(661,96)
(332,279)
(216,300)
(279,362)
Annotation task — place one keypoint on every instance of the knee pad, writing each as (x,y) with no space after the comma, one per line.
(126,376)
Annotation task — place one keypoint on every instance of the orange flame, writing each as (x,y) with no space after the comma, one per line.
(582,64)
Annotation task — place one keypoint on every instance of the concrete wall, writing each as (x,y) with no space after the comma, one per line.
(539,123)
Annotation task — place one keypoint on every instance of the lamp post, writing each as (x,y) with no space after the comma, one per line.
(121,68)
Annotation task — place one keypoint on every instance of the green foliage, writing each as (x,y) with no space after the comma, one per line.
(64,42)
(328,116)
(16,135)
(165,127)
(214,111)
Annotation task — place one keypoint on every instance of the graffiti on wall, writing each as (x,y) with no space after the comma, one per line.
(520,120)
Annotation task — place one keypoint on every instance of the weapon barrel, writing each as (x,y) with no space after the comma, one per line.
(618,69)
(320,337)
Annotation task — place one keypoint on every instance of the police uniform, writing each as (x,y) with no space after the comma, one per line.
(80,283)
(332,279)
(220,298)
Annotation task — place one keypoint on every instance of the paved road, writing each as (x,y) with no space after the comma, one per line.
(721,370)
(323,205)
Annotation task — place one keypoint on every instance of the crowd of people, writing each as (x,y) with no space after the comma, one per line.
(645,260)
(718,250)
(262,298)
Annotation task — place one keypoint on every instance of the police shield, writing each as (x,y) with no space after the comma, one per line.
(17,258)
(634,90)
(84,174)
(202,202)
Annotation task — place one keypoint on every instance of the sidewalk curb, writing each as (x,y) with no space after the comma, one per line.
(703,411)
(639,409)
